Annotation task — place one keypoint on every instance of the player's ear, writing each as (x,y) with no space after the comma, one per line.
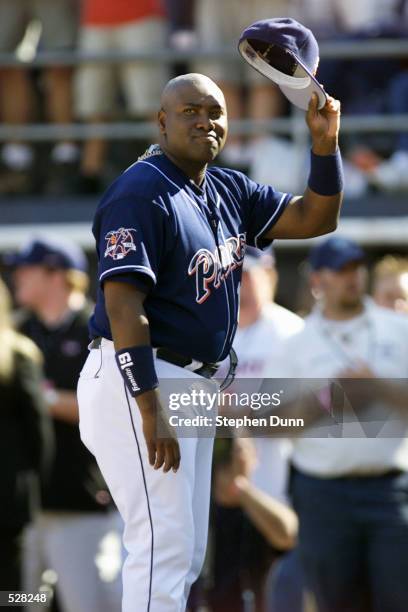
(161,119)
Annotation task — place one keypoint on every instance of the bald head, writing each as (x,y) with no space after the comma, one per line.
(190,82)
(192,122)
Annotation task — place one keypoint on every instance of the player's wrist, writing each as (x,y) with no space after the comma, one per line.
(136,365)
(326,176)
(326,146)
(147,402)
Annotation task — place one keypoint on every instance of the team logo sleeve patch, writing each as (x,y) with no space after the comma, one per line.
(129,234)
(120,243)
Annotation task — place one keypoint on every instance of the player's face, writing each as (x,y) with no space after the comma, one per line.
(343,289)
(194,122)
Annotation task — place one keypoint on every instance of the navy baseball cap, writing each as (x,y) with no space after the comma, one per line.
(335,253)
(255,258)
(52,253)
(287,53)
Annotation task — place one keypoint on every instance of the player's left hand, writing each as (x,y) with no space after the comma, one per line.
(161,440)
(324,125)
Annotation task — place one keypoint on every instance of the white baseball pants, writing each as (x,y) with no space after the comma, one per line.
(165,515)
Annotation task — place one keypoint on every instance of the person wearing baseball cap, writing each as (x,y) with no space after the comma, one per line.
(51,253)
(349,485)
(335,253)
(50,281)
(338,274)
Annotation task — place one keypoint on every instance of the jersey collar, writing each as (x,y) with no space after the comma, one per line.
(155,154)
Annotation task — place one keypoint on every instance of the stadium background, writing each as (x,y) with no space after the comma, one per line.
(376,217)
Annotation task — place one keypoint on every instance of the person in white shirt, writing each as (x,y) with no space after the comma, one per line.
(351,491)
(261,489)
(263,326)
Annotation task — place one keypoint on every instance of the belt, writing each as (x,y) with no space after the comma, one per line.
(207,370)
(386,473)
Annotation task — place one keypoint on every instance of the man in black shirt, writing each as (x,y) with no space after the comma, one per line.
(50,284)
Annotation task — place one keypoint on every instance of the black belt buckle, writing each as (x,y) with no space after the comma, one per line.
(208,370)
(172,357)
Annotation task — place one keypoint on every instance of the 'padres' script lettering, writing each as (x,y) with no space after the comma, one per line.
(211,269)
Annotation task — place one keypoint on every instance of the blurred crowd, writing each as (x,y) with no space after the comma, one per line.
(102,92)
(299,523)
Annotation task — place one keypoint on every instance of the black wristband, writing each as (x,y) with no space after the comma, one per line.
(136,364)
(326,174)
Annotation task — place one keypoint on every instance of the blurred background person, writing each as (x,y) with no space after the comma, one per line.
(371,85)
(391,174)
(263,326)
(117,26)
(248,94)
(181,23)
(250,523)
(390,283)
(360,86)
(253,523)
(51,25)
(350,488)
(329,18)
(26,442)
(77,518)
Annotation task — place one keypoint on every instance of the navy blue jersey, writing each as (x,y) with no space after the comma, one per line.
(184,245)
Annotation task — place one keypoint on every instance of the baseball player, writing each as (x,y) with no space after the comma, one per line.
(170,236)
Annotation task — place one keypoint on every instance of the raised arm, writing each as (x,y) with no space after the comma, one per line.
(317,211)
(130,330)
